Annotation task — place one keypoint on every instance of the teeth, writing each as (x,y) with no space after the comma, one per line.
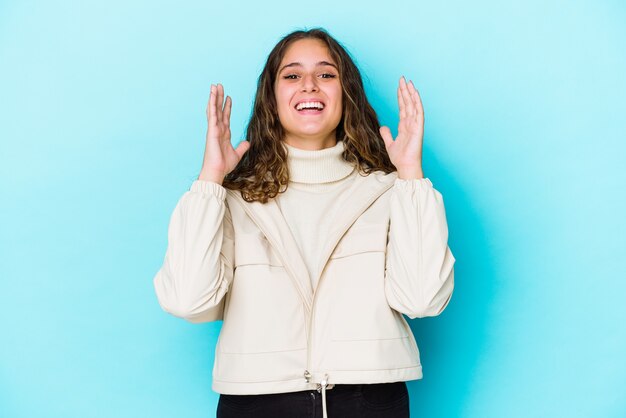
(310,105)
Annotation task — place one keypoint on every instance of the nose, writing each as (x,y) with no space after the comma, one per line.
(309,83)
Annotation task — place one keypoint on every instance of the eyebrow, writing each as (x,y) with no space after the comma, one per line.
(299,64)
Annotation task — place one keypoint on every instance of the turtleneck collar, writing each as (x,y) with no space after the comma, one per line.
(317,166)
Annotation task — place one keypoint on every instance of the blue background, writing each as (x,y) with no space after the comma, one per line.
(102,129)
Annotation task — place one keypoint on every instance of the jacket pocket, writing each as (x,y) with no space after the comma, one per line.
(264,312)
(362,238)
(254,248)
(356,274)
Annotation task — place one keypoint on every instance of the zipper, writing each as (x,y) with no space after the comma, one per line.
(307,374)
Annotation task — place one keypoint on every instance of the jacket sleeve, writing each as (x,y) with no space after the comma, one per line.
(198,265)
(419,272)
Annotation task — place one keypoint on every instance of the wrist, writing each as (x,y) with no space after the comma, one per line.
(410,173)
(214,176)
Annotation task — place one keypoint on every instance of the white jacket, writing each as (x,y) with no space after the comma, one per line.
(386,255)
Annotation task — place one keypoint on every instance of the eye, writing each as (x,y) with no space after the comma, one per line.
(290,77)
(328,75)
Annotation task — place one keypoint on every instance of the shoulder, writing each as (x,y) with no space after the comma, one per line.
(385,177)
(377,184)
(380,178)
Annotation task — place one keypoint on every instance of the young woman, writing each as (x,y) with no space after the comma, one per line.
(310,240)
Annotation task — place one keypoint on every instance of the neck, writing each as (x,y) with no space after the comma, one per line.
(311,143)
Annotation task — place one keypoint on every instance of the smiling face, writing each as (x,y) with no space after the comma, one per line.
(308,95)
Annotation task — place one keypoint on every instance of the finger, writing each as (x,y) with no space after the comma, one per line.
(401,106)
(242,147)
(385,132)
(417,100)
(406,96)
(227,108)
(220,102)
(211,107)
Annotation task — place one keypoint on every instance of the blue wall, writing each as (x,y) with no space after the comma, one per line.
(102,129)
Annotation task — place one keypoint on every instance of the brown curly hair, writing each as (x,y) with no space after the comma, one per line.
(263,172)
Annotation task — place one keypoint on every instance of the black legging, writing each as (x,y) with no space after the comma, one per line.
(378,400)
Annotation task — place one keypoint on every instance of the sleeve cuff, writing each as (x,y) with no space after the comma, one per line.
(412,184)
(209,187)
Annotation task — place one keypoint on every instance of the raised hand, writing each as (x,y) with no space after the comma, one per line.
(405,152)
(220,158)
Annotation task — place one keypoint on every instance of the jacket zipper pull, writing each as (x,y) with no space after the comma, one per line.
(307,375)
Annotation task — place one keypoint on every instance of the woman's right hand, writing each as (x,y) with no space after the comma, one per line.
(220,158)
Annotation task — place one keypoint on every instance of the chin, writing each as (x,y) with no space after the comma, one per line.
(313,133)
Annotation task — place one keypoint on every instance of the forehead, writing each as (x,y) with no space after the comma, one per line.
(307,51)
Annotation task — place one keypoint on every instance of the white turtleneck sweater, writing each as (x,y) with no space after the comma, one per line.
(316,180)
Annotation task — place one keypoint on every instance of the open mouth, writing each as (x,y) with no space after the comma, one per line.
(312,106)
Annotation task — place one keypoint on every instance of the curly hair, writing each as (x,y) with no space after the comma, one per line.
(263,172)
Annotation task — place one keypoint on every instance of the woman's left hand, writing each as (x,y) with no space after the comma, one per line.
(406,151)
